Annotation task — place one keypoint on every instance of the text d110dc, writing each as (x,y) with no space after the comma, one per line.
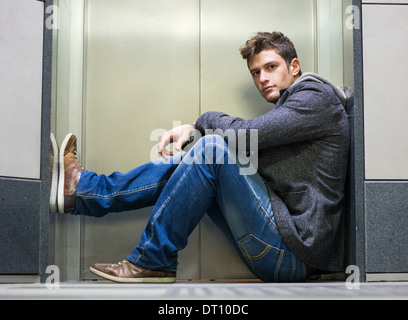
(215,309)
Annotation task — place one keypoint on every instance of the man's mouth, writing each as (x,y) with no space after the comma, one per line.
(267,89)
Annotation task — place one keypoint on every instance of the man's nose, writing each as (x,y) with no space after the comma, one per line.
(263,77)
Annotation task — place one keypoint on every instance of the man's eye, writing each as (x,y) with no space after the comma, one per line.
(272,67)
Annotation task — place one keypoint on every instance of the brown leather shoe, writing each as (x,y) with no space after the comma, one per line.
(53,173)
(127,272)
(69,174)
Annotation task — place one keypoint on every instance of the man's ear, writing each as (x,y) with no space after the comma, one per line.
(294,67)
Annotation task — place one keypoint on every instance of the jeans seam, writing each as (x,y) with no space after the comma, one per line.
(247,254)
(262,254)
(117,194)
(260,202)
(278,265)
(269,217)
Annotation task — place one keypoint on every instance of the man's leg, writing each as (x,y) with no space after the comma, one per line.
(98,195)
(85,193)
(208,174)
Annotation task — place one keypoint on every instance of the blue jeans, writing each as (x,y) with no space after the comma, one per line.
(182,190)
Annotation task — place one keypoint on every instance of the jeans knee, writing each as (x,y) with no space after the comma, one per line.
(222,150)
(210,149)
(212,139)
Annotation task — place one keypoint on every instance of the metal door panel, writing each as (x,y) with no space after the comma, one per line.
(141,75)
(227,86)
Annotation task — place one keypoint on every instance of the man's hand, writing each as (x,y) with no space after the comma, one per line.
(181,135)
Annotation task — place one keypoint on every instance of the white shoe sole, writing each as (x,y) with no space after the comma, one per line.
(61,182)
(133,280)
(54,178)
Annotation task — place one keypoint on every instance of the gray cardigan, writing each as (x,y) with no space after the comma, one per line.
(303,148)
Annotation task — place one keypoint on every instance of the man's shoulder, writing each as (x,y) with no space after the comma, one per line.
(312,86)
(311,91)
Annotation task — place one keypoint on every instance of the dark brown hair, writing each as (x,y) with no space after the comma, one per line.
(267,41)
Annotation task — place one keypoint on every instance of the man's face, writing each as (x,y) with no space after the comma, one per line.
(271,73)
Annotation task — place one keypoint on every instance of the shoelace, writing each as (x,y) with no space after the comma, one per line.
(119,264)
(76,158)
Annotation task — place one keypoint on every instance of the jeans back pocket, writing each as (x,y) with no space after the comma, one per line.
(263,259)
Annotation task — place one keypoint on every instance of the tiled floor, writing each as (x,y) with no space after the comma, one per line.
(205,291)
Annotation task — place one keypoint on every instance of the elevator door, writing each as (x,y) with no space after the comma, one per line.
(142,75)
(226,86)
(142,67)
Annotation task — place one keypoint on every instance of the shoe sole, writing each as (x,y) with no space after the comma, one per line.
(54,178)
(133,280)
(61,182)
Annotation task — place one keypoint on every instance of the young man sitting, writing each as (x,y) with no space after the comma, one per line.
(282,213)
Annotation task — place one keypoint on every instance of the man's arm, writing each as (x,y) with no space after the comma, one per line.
(307,114)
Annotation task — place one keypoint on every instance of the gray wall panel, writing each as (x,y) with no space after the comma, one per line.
(141,76)
(385,94)
(386,227)
(21,45)
(20,226)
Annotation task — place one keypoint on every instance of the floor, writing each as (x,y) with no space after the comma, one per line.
(204,291)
